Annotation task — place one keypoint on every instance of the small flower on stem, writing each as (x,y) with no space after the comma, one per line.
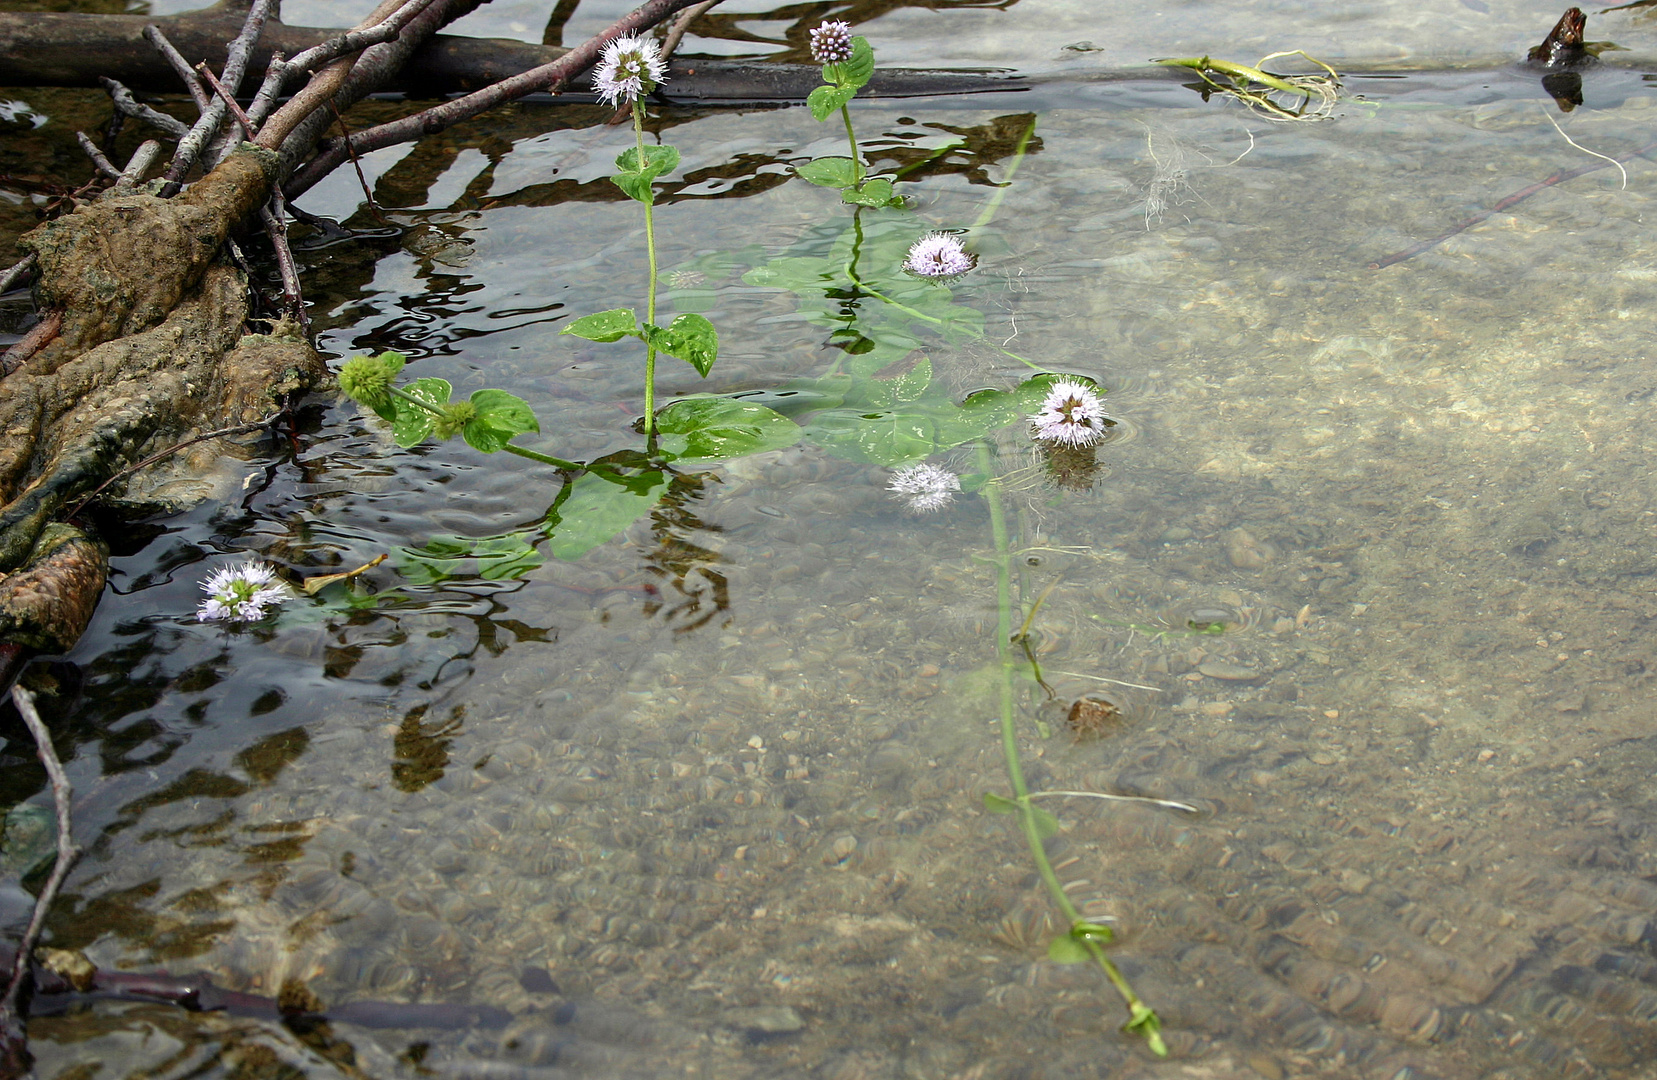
(630,68)
(1072,415)
(926,488)
(241,593)
(831,43)
(938,255)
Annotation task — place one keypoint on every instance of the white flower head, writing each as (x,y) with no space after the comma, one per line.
(938,255)
(831,43)
(630,68)
(926,488)
(1072,415)
(241,593)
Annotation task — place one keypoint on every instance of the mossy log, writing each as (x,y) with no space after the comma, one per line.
(151,352)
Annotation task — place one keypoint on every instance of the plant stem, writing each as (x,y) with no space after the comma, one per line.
(650,302)
(857,160)
(1141,1018)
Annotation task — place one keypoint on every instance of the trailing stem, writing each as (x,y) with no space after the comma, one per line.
(1141,1018)
(857,160)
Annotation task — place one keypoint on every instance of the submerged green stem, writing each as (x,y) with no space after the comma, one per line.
(1141,1019)
(650,301)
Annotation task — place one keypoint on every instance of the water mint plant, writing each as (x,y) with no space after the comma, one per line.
(632,67)
(242,593)
(848,65)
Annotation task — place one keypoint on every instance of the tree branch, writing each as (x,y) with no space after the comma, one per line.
(546,77)
(11,1023)
(154,36)
(131,106)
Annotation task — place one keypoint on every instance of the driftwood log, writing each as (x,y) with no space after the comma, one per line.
(49,49)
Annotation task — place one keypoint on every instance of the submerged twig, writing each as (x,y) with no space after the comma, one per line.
(1506,203)
(11,1025)
(236,429)
(1169,803)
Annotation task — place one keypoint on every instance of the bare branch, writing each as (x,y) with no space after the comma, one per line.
(139,164)
(67,854)
(101,163)
(154,36)
(546,77)
(17,272)
(191,145)
(131,106)
(357,40)
(321,88)
(676,33)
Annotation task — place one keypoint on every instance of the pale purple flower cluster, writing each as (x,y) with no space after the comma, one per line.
(241,593)
(1072,415)
(925,488)
(938,255)
(831,43)
(630,68)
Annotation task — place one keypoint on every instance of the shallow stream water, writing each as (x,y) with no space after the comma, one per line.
(708,800)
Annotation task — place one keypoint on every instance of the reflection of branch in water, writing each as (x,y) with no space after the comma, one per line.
(734,26)
(685,565)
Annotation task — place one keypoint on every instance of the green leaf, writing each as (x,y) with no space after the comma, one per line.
(857,71)
(596,506)
(506,557)
(834,172)
(1067,950)
(612,325)
(914,382)
(825,101)
(692,338)
(999,804)
(634,176)
(1098,933)
(412,424)
(442,557)
(718,428)
(873,192)
(500,417)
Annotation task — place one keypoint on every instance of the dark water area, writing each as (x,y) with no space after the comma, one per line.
(708,800)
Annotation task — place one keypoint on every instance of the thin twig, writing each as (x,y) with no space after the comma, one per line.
(101,163)
(175,448)
(1169,803)
(17,272)
(357,40)
(356,163)
(547,77)
(228,100)
(1506,203)
(323,85)
(276,228)
(676,32)
(67,853)
(180,66)
(192,144)
(131,106)
(32,342)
